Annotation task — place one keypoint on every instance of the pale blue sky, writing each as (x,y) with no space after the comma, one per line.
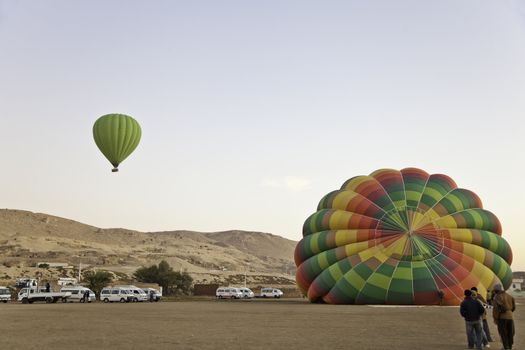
(252,111)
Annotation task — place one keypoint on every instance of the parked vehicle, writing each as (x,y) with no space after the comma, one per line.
(67,281)
(30,295)
(23,282)
(78,292)
(5,294)
(122,295)
(228,292)
(153,294)
(138,294)
(247,293)
(271,293)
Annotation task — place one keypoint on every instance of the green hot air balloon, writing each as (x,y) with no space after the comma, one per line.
(117,136)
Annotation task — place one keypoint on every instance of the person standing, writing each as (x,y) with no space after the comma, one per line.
(472,311)
(487,337)
(503,306)
(86,296)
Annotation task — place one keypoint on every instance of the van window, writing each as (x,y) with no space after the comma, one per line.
(104,291)
(114,291)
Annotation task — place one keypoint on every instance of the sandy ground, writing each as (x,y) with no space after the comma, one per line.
(225,324)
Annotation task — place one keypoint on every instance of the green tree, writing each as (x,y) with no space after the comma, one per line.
(96,281)
(183,283)
(171,282)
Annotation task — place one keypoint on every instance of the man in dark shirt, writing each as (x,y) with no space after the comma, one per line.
(472,311)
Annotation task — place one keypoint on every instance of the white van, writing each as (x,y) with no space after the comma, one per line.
(5,294)
(246,293)
(271,293)
(66,281)
(153,294)
(78,292)
(25,282)
(138,294)
(109,295)
(228,292)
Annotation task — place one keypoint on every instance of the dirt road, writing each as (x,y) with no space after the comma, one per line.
(225,324)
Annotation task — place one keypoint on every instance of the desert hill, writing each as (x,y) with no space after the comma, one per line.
(27,238)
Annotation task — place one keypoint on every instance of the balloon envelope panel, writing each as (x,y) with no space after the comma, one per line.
(400,237)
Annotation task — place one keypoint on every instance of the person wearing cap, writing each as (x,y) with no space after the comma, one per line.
(486,330)
(503,306)
(472,311)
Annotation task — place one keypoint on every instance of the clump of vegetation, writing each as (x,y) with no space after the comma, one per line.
(172,282)
(96,281)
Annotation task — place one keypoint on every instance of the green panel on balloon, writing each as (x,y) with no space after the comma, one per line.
(423,280)
(451,204)
(413,198)
(371,294)
(403,271)
(386,270)
(486,241)
(413,190)
(400,292)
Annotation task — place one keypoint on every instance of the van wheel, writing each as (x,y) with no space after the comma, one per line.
(25,301)
(122,300)
(106,300)
(64,300)
(5,301)
(49,300)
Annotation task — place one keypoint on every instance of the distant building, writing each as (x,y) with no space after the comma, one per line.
(54,265)
(516,285)
(518,274)
(205,289)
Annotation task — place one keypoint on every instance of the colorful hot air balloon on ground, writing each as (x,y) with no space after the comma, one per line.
(400,237)
(117,136)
